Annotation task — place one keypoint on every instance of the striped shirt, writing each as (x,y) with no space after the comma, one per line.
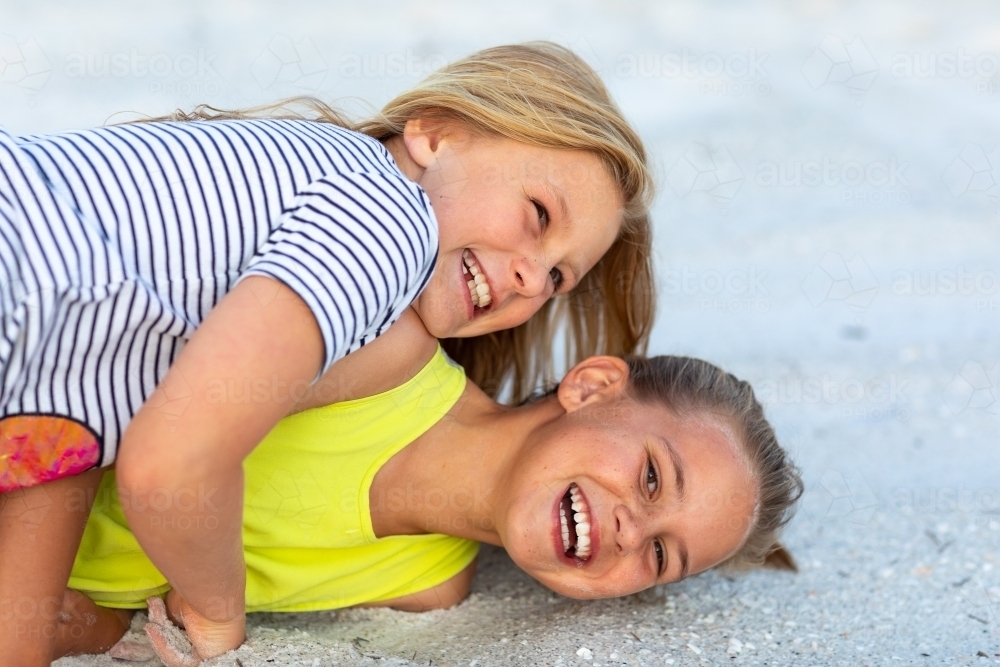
(116,242)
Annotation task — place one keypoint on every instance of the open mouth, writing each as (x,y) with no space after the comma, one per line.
(574,519)
(479,286)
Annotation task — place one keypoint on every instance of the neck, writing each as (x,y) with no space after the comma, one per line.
(397,149)
(453,476)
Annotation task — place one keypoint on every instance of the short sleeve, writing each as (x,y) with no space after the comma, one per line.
(357,248)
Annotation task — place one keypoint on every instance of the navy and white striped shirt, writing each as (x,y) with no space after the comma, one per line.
(116,242)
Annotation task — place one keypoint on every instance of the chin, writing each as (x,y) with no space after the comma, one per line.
(577,592)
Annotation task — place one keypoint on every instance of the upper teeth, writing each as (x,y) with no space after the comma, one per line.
(581,515)
(479,289)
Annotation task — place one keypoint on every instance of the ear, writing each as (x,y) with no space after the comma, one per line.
(780,559)
(593,380)
(423,139)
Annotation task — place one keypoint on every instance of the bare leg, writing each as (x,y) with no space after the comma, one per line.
(40,531)
(86,628)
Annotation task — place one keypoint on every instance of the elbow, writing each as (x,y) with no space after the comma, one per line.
(147,475)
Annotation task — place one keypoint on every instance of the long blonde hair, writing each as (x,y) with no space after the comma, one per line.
(541,94)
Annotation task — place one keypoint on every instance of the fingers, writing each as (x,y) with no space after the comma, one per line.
(157,611)
(133,651)
(167,651)
(169,643)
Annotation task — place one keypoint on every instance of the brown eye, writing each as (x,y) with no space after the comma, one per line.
(659,557)
(543,214)
(557,278)
(652,481)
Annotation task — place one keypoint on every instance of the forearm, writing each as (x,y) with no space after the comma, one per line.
(188,520)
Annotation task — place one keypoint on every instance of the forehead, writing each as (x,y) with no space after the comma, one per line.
(719,490)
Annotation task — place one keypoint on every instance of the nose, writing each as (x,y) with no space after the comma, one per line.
(531,276)
(628,531)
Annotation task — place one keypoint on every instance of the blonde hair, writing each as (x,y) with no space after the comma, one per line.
(541,94)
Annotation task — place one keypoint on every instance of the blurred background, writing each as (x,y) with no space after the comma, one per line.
(827,226)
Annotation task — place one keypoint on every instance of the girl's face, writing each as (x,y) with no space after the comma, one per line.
(521,222)
(664,495)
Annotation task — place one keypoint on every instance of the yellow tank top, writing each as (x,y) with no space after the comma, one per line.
(307,530)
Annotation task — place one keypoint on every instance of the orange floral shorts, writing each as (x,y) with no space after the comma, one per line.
(35,449)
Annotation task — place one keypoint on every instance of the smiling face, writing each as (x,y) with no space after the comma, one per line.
(521,223)
(659,496)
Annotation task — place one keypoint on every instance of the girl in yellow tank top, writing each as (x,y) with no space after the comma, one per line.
(631,473)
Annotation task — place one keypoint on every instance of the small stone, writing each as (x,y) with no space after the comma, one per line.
(585,653)
(695,649)
(735,646)
(613,656)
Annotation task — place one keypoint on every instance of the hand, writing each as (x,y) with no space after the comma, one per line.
(209,638)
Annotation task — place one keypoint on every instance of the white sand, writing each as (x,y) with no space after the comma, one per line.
(787,283)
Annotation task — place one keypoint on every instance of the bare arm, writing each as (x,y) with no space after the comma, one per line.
(387,362)
(442,596)
(180,472)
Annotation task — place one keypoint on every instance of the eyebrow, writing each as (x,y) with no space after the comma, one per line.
(678,467)
(562,203)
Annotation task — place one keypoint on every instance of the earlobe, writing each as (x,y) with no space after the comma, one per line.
(422,138)
(593,380)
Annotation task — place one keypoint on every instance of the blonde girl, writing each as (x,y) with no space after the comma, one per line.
(146,265)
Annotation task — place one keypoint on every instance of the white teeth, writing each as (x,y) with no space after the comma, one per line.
(581,518)
(564,525)
(479,289)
